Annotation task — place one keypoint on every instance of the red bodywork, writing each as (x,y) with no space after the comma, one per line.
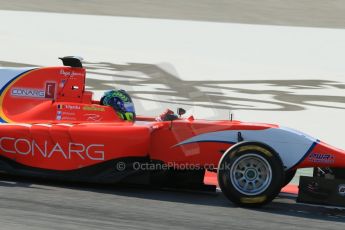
(51,122)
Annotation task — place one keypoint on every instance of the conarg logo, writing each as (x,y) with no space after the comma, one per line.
(45,149)
(47,92)
(25,92)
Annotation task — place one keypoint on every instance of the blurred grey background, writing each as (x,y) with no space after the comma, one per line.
(311,13)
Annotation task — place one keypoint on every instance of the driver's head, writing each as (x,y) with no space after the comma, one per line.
(121,102)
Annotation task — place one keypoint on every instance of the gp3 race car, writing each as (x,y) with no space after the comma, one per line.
(51,127)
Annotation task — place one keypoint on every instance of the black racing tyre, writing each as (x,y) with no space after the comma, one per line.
(250,174)
(289,175)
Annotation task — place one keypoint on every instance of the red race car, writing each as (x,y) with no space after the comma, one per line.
(52,127)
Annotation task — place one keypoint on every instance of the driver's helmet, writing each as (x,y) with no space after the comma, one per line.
(121,102)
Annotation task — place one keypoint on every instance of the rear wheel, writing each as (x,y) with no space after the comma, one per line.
(250,174)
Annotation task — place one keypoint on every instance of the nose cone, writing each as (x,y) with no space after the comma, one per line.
(325,155)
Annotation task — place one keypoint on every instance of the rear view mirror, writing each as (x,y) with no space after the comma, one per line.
(181,111)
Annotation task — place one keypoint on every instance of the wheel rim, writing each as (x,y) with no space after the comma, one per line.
(251,174)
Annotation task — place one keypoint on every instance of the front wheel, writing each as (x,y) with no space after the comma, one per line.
(250,174)
(289,175)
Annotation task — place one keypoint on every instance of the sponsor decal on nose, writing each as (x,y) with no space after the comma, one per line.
(321,158)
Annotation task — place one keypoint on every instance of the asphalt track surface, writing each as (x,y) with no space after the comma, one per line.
(36,204)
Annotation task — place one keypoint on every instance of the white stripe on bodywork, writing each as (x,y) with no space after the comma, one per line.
(44,125)
(291,145)
(65,124)
(16,124)
(8,74)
